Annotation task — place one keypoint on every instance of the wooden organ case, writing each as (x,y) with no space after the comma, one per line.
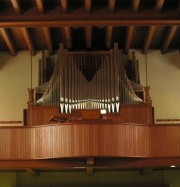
(86,81)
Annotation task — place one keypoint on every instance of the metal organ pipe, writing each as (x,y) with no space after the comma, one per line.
(89,80)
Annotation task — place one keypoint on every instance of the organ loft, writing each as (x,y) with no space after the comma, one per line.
(89,113)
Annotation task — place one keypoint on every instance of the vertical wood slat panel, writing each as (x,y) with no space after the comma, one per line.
(40,115)
(140,114)
(83,140)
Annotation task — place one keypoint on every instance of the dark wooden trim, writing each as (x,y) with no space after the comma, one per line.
(168,38)
(9,42)
(16,6)
(150,34)
(28,39)
(100,163)
(95,19)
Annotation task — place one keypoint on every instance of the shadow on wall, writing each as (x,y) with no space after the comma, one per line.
(172,59)
(6,57)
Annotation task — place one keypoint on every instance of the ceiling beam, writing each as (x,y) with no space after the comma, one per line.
(33,172)
(158,6)
(64,5)
(8,41)
(168,38)
(40,6)
(28,39)
(48,38)
(130,30)
(109,31)
(151,29)
(88,33)
(93,19)
(90,165)
(111,5)
(88,5)
(88,30)
(149,36)
(67,31)
(129,35)
(135,5)
(16,6)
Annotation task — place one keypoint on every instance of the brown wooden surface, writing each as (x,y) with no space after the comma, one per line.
(80,163)
(89,140)
(139,114)
(40,115)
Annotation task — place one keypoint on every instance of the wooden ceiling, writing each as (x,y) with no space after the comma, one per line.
(89,25)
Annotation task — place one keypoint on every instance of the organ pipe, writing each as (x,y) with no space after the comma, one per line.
(89,80)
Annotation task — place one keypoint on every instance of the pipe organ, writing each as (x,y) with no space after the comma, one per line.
(88,80)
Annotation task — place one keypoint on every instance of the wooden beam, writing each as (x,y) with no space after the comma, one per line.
(48,38)
(88,5)
(64,5)
(135,5)
(40,6)
(88,30)
(150,34)
(8,41)
(168,38)
(90,170)
(130,30)
(28,39)
(88,33)
(33,172)
(111,5)
(129,35)
(67,31)
(93,19)
(109,31)
(90,164)
(16,6)
(109,163)
(158,6)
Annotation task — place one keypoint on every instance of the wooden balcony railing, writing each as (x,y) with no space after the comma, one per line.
(89,140)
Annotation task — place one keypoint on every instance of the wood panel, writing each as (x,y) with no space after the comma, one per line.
(139,114)
(40,115)
(89,140)
(165,140)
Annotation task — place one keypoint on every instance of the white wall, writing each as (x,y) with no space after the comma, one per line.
(14,81)
(163,72)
